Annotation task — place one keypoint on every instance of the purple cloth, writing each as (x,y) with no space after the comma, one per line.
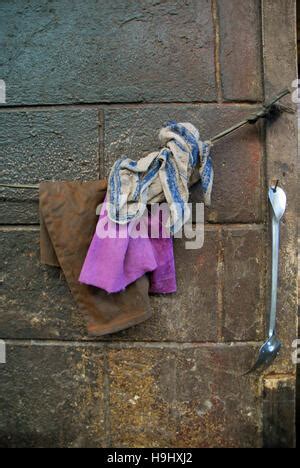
(114,263)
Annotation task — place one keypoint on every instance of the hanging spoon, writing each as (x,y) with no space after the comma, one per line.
(270,349)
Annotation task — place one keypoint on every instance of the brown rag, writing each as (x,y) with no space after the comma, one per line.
(68,223)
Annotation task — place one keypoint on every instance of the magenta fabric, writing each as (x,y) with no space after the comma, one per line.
(114,263)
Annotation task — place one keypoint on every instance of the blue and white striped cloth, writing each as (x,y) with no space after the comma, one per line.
(162,176)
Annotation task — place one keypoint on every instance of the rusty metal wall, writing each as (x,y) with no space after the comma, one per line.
(86,82)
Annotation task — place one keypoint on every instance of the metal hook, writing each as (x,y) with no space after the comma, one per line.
(276,185)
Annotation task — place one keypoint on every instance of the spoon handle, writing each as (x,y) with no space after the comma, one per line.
(275,261)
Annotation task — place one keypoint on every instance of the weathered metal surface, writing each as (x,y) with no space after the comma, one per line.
(121,51)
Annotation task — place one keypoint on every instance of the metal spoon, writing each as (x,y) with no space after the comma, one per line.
(270,349)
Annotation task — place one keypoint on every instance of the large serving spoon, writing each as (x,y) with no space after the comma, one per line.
(270,349)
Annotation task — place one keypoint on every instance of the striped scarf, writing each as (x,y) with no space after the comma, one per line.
(161,176)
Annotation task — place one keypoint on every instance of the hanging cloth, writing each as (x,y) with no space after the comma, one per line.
(68,222)
(165,175)
(116,259)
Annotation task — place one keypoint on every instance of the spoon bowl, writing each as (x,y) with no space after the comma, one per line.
(267,354)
